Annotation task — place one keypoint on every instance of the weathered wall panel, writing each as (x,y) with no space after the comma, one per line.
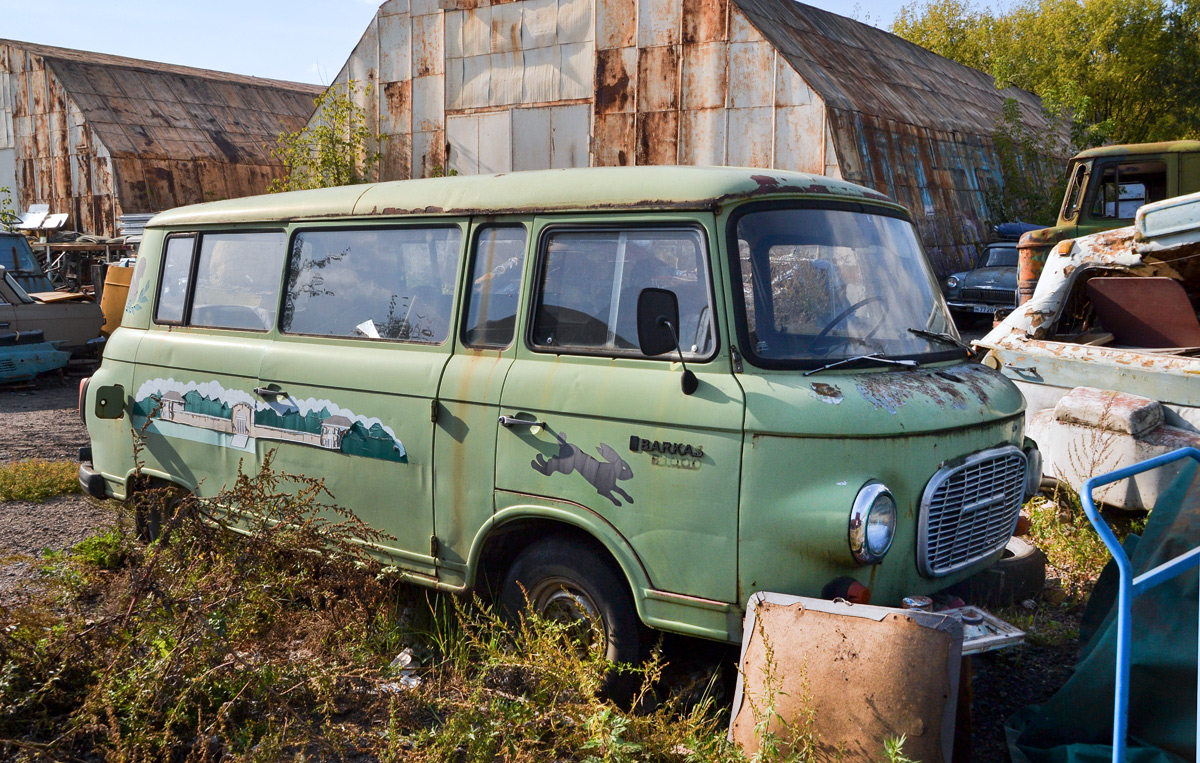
(702,137)
(531,139)
(614,141)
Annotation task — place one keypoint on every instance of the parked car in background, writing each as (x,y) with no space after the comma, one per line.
(17,257)
(1107,352)
(1105,188)
(989,287)
(70,321)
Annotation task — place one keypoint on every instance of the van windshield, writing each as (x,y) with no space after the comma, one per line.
(823,284)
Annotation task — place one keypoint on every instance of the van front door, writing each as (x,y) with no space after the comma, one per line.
(348,386)
(600,430)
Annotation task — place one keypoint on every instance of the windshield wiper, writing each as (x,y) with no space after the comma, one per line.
(944,337)
(873,356)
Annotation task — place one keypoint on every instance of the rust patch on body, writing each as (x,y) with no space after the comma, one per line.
(826,393)
(947,388)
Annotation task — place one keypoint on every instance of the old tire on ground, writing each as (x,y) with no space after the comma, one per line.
(567,581)
(1019,574)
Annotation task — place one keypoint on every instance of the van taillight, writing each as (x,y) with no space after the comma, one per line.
(83,384)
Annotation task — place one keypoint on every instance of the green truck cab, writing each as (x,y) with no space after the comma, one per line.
(476,367)
(1105,188)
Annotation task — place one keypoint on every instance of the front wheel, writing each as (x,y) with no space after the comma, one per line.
(571,583)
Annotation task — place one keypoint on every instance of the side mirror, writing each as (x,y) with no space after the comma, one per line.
(657,313)
(658,330)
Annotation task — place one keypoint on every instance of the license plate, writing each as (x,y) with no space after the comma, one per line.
(983,309)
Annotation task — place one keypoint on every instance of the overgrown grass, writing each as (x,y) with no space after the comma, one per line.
(37,479)
(282,642)
(1060,528)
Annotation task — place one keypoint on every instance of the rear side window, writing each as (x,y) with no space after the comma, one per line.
(378,283)
(221,280)
(495,287)
(590,280)
(237,280)
(176,277)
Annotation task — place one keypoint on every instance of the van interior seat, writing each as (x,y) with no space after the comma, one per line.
(1145,312)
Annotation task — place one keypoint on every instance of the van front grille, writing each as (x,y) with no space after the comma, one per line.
(968,512)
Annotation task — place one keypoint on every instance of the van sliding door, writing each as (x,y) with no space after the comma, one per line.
(348,387)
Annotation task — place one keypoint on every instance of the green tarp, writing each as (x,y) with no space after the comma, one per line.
(1075,725)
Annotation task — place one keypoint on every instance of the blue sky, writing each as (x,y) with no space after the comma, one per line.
(301,40)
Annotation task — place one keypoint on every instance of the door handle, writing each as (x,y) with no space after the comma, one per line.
(268,392)
(512,421)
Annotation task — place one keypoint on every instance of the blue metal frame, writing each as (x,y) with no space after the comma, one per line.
(1131,586)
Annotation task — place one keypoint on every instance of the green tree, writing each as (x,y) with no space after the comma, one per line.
(1121,70)
(8,215)
(337,147)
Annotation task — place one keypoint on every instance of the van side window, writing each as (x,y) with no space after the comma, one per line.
(376,283)
(590,281)
(495,287)
(237,280)
(177,273)
(1123,188)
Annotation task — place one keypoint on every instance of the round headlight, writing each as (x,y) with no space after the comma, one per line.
(872,523)
(952,282)
(1033,472)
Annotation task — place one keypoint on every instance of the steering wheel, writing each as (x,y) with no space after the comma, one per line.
(842,316)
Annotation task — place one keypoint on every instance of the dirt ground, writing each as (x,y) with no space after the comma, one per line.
(43,422)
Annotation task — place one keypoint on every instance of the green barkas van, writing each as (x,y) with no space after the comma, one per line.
(460,360)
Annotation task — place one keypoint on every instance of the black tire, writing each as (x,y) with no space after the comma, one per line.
(561,579)
(1019,574)
(152,507)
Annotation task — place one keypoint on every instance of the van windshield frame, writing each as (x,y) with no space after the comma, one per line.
(853,312)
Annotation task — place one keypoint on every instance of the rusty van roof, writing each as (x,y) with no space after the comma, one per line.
(543,190)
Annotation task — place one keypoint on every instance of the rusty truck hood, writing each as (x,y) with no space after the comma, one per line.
(878,403)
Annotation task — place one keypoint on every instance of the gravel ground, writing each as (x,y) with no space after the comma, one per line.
(42,423)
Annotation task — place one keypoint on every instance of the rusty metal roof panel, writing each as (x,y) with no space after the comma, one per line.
(145,97)
(856,67)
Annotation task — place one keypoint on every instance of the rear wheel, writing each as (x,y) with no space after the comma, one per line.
(154,506)
(571,583)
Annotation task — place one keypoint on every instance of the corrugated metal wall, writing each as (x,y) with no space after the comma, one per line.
(534,84)
(537,84)
(58,159)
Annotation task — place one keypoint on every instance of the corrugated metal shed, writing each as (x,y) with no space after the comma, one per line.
(99,136)
(904,120)
(486,86)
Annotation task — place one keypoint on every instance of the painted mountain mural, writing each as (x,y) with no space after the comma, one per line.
(319,423)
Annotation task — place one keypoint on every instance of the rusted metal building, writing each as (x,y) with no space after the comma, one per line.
(98,136)
(491,86)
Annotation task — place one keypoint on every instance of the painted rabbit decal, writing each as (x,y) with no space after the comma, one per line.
(602,475)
